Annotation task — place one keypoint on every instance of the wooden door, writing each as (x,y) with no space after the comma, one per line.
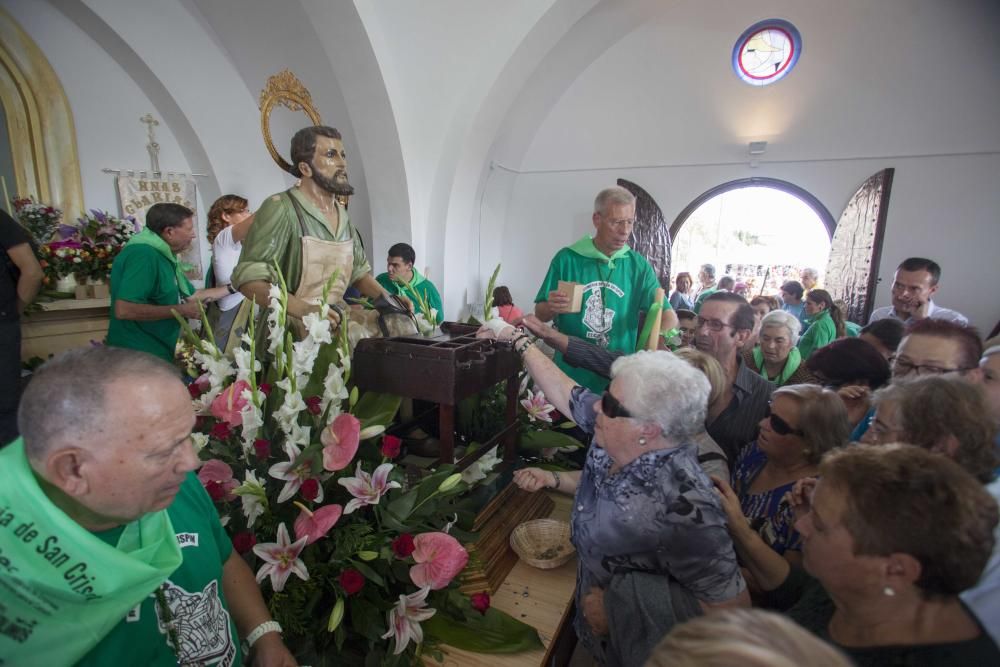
(651,234)
(856,247)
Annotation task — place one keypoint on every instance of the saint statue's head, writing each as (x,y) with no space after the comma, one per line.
(318,155)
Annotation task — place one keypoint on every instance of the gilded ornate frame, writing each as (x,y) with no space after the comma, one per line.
(286,90)
(39,123)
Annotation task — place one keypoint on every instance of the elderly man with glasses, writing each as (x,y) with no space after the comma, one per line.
(618,284)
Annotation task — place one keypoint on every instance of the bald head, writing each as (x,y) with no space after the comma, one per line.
(68,398)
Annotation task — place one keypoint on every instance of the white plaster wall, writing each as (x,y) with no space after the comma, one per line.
(662,108)
(105,101)
(439,60)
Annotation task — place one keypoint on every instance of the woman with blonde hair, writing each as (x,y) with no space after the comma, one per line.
(743,637)
(710,456)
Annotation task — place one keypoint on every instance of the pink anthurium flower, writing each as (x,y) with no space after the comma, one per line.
(217,478)
(367,489)
(293,475)
(439,559)
(314,524)
(229,404)
(404,619)
(340,441)
(537,407)
(281,559)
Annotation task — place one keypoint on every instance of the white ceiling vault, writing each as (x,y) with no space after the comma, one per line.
(557,96)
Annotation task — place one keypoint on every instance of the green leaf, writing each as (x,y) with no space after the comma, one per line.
(534,440)
(494,632)
(376,409)
(369,573)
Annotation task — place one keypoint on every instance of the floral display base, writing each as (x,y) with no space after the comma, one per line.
(92,291)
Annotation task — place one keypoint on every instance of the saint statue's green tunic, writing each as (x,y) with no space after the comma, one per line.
(275,236)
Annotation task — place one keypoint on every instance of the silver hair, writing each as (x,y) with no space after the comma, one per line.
(709,270)
(781,318)
(809,271)
(612,196)
(664,389)
(67,396)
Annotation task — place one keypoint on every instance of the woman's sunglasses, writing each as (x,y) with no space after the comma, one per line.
(780,426)
(611,407)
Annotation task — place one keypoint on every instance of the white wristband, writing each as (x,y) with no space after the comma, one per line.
(261,630)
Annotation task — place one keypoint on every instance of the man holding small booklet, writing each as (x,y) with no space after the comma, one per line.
(596,288)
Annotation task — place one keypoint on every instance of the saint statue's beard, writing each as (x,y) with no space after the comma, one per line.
(332,185)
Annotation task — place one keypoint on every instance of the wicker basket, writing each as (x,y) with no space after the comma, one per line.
(542,543)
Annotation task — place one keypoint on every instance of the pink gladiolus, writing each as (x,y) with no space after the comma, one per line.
(340,441)
(315,524)
(537,407)
(217,478)
(228,405)
(281,559)
(439,559)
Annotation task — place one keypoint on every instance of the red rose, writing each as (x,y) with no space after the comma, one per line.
(243,542)
(403,545)
(215,490)
(264,388)
(199,423)
(313,405)
(221,431)
(262,447)
(310,489)
(194,390)
(352,581)
(481,602)
(391,446)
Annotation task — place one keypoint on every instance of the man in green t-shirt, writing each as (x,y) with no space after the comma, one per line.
(112,551)
(618,284)
(148,284)
(400,271)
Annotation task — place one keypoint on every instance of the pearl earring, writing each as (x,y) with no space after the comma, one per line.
(888,591)
(642,442)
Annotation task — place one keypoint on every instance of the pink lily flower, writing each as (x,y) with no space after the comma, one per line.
(404,619)
(293,476)
(315,524)
(367,489)
(340,441)
(537,407)
(439,559)
(281,559)
(229,404)
(217,478)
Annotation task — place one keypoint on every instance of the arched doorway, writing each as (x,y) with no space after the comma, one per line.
(760,231)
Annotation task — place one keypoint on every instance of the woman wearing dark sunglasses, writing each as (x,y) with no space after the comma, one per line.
(803,423)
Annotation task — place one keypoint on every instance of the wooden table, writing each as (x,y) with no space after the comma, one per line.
(540,598)
(63,324)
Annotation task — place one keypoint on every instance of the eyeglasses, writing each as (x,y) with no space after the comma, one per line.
(780,426)
(901,367)
(619,224)
(714,325)
(612,407)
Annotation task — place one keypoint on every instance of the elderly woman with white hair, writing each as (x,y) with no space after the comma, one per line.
(776,356)
(649,530)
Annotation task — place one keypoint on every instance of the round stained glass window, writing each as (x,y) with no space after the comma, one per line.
(766,52)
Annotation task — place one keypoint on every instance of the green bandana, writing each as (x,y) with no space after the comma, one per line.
(585,248)
(791,365)
(62,589)
(151,238)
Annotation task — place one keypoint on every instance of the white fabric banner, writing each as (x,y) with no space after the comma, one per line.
(136,194)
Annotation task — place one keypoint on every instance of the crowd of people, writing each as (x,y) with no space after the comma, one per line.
(777,458)
(764,483)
